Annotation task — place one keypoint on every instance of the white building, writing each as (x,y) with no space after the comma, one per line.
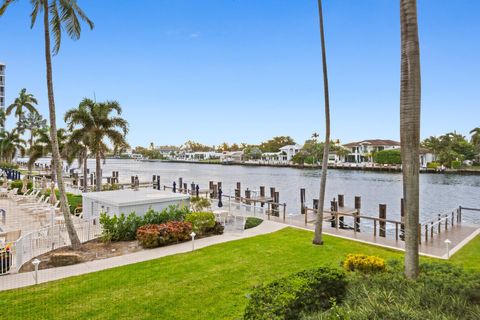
(426,157)
(362,151)
(127,201)
(290,151)
(231,156)
(2,84)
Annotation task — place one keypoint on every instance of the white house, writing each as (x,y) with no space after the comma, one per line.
(290,151)
(231,156)
(361,151)
(426,157)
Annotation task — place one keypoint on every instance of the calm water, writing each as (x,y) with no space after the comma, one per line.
(439,192)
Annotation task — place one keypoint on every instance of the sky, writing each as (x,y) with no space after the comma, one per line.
(248,70)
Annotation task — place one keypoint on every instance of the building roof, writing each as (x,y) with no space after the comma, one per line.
(132,197)
(373,142)
(290,146)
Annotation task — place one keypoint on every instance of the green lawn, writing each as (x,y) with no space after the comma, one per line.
(210,283)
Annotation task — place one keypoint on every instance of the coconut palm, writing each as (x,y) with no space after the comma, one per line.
(11,144)
(410,91)
(58,15)
(326,147)
(100,123)
(23,101)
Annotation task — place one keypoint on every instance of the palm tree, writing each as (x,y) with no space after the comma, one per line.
(43,146)
(410,91)
(326,147)
(58,15)
(78,149)
(3,118)
(476,137)
(98,125)
(10,144)
(23,101)
(31,122)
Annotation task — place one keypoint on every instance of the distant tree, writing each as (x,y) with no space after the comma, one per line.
(252,153)
(475,140)
(450,147)
(23,101)
(274,144)
(192,146)
(11,144)
(3,118)
(32,122)
(43,146)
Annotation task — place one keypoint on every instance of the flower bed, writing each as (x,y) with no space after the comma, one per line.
(157,235)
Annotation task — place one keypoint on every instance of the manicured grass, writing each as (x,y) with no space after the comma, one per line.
(469,256)
(210,283)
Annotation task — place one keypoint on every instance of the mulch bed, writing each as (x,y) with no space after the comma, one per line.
(92,250)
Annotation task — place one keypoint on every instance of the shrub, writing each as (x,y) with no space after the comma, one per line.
(364,263)
(297,294)
(433,165)
(201,221)
(252,222)
(124,228)
(392,156)
(19,184)
(217,229)
(199,204)
(456,164)
(442,291)
(8,165)
(156,235)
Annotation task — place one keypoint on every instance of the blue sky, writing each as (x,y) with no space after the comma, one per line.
(246,70)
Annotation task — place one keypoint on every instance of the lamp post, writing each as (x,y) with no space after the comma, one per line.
(36,263)
(193,234)
(448,242)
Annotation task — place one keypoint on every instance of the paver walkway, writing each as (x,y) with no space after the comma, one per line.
(13,281)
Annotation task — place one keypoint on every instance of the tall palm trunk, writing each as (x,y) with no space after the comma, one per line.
(410,92)
(53,135)
(323,179)
(98,171)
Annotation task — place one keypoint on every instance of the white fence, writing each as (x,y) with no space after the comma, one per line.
(44,240)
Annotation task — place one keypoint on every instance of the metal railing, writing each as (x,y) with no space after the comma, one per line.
(44,240)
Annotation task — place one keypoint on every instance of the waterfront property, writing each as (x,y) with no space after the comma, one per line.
(290,151)
(362,151)
(128,200)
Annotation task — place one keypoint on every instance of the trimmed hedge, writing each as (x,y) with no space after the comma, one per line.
(392,156)
(364,263)
(124,228)
(301,293)
(252,222)
(157,235)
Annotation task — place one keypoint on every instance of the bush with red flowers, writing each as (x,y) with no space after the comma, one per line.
(157,235)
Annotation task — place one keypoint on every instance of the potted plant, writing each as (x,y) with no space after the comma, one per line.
(5,258)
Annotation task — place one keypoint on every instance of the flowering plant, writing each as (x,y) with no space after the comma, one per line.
(6,248)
